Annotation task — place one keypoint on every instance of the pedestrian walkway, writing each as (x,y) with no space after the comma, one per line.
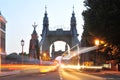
(111,72)
(107,72)
(106,75)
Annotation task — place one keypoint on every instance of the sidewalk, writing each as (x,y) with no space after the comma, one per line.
(106,75)
(107,72)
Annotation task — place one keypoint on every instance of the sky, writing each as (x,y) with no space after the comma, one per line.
(21,15)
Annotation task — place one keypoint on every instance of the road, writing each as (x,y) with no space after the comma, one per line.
(33,76)
(72,74)
(61,74)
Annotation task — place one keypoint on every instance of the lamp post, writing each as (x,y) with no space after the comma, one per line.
(97,42)
(78,56)
(22,44)
(40,54)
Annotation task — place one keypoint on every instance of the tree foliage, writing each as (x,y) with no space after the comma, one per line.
(102,19)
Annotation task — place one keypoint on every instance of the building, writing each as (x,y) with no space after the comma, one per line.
(2,34)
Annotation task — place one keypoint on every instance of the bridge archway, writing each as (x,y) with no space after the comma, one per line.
(57,48)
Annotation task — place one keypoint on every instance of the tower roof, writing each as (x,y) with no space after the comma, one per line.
(73,18)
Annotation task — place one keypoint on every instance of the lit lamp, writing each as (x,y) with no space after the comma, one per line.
(22,44)
(97,42)
(44,55)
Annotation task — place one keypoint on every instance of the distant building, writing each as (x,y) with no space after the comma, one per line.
(2,34)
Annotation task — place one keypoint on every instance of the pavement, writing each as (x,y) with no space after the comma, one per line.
(7,73)
(106,75)
(105,72)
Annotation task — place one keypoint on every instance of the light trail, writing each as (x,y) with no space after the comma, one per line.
(40,68)
(81,67)
(81,51)
(76,52)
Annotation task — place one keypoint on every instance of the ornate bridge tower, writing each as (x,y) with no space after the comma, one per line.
(49,37)
(34,44)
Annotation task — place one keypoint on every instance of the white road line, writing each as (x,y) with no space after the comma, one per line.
(60,74)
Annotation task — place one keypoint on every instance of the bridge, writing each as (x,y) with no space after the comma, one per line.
(48,37)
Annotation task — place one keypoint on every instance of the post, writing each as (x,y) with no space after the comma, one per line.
(44,55)
(22,44)
(97,42)
(78,55)
(22,54)
(40,54)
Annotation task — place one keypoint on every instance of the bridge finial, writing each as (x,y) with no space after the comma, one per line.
(73,9)
(45,9)
(34,25)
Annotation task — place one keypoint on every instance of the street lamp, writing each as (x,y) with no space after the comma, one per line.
(40,54)
(78,56)
(22,44)
(97,43)
(44,55)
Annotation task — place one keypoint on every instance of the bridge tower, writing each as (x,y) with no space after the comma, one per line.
(34,50)
(49,37)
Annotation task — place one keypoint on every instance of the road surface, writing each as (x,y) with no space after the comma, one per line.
(33,76)
(72,74)
(61,74)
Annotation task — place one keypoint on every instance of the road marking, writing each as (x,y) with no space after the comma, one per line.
(60,74)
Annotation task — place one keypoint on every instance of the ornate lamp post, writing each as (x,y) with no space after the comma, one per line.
(22,44)
(97,42)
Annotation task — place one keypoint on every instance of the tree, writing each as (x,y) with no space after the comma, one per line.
(102,20)
(13,57)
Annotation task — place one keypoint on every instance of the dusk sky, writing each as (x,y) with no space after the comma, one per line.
(21,15)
